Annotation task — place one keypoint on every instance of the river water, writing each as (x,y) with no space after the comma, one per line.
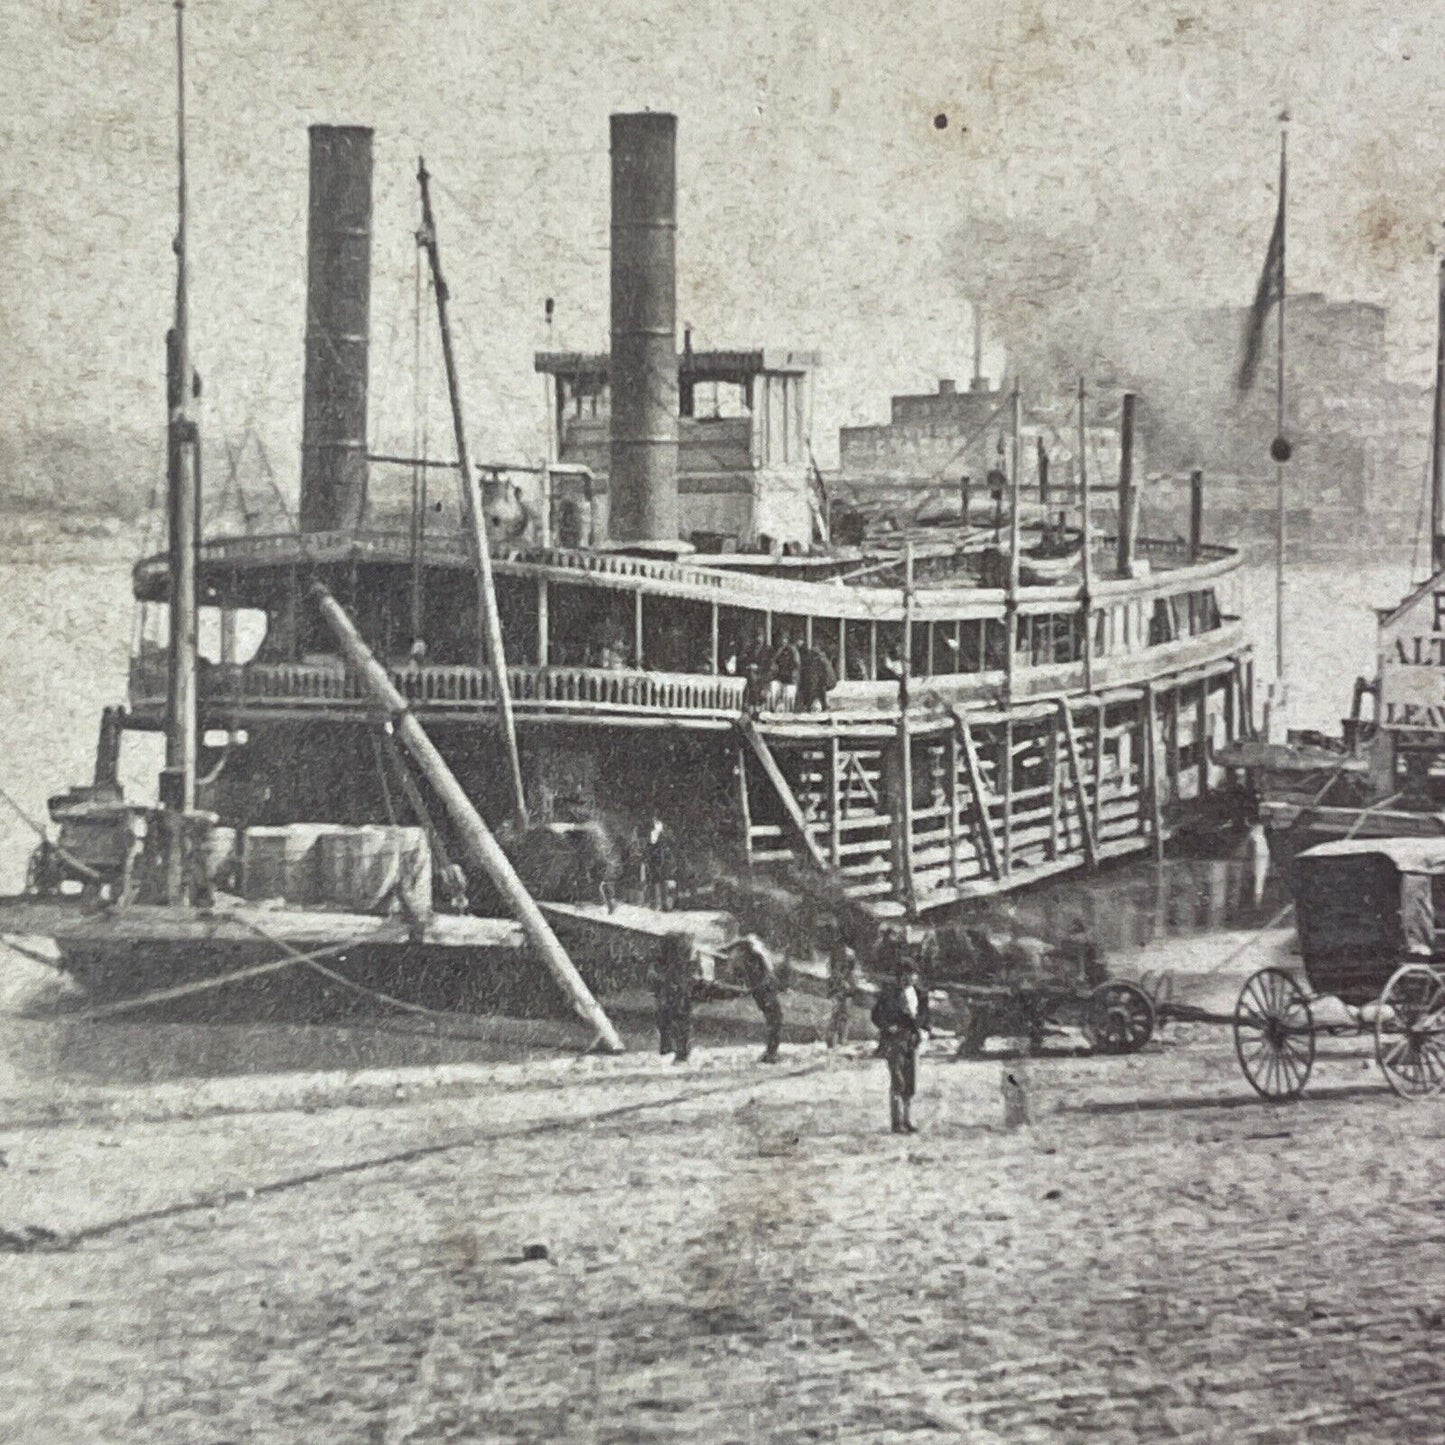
(64,635)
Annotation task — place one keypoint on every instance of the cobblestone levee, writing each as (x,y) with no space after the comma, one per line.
(736,1254)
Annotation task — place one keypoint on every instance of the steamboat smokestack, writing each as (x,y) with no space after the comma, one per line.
(338,306)
(643,452)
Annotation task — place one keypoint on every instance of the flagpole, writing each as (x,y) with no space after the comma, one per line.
(1280,447)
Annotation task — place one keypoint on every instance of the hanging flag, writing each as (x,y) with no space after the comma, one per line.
(1269,291)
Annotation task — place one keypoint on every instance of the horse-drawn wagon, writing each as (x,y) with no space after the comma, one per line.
(1365,913)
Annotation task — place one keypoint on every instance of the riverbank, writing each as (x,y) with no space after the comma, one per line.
(729,1252)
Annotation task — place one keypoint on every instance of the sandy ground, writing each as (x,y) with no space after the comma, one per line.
(738,1253)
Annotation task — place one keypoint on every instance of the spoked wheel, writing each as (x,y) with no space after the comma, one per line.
(1410,1032)
(1120,1018)
(1274,1034)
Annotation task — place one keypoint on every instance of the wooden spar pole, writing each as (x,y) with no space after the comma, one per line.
(481,847)
(489,619)
(1437,450)
(178,780)
(1086,601)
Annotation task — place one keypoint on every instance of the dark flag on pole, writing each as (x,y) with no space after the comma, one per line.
(1269,291)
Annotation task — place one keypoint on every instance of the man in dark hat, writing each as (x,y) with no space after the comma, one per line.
(786,661)
(760,978)
(901,1016)
(817,677)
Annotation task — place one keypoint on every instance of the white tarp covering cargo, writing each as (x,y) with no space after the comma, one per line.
(372,869)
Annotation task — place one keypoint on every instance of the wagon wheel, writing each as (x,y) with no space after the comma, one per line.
(1274,1034)
(1410,1031)
(1119,1018)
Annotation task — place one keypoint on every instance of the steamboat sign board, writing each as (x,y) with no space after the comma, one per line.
(1412,661)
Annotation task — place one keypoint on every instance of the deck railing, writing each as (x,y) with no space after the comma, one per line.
(283,684)
(320,683)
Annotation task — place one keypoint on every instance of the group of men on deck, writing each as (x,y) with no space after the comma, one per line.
(805,672)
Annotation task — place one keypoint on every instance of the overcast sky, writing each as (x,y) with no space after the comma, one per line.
(820,205)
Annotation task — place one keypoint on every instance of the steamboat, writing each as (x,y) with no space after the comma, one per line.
(578,645)
(983,732)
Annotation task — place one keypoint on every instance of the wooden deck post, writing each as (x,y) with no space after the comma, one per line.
(1172,699)
(951,755)
(1008,796)
(744,806)
(543,624)
(905,743)
(1071,739)
(1098,770)
(483,850)
(1202,737)
(1150,762)
(905,814)
(1058,829)
(835,840)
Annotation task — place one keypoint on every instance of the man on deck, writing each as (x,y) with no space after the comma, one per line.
(817,677)
(786,665)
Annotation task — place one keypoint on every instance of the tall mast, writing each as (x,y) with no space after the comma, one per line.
(178,782)
(490,622)
(1437,450)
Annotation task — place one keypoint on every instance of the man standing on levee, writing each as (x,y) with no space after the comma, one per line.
(672,977)
(760,978)
(902,1020)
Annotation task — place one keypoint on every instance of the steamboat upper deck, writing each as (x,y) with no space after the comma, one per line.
(607,635)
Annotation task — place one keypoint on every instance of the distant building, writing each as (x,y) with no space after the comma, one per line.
(934,439)
(1360,440)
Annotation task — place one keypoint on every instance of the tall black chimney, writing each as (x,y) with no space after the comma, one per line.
(643,452)
(338,307)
